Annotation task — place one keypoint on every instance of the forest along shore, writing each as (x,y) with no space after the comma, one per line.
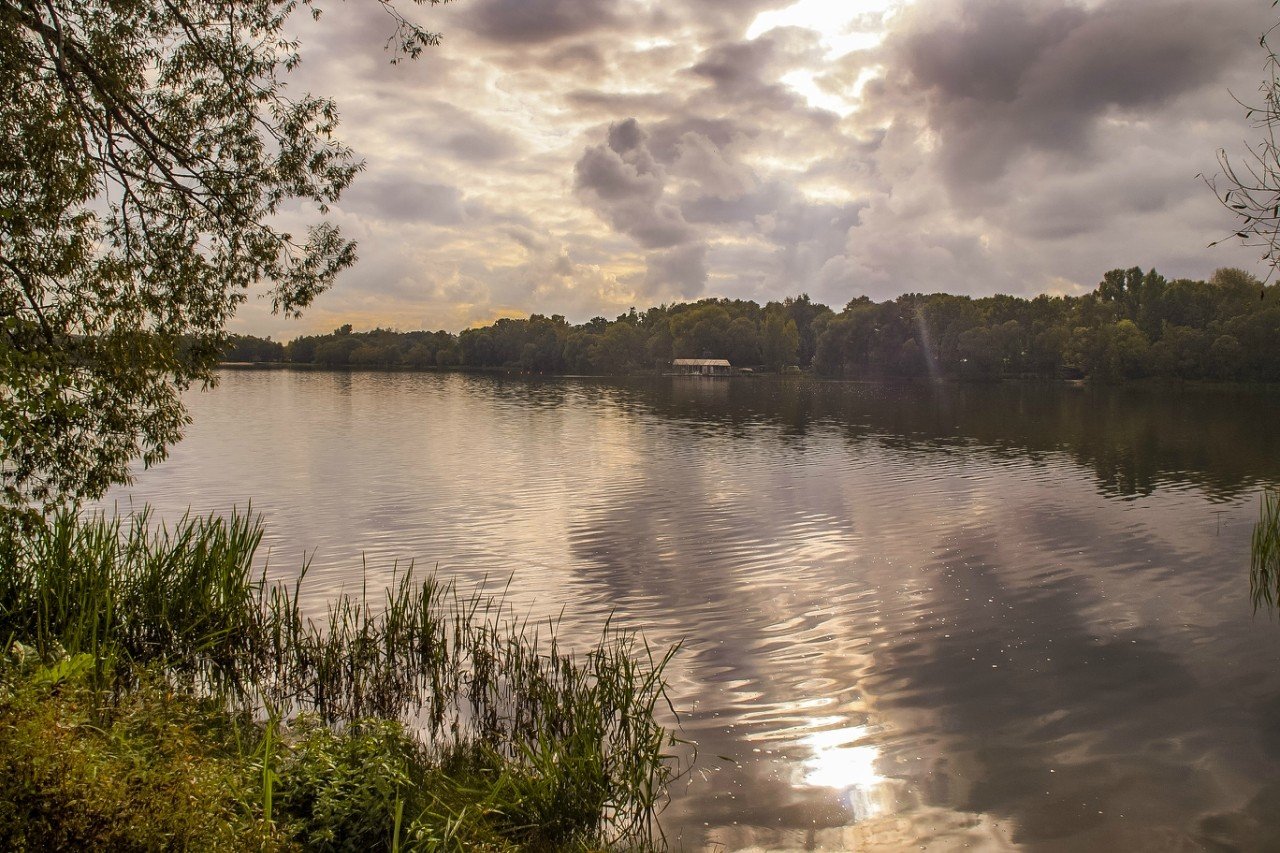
(1134,325)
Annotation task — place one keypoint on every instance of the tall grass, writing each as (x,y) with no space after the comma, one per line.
(551,746)
(1264,569)
(132,592)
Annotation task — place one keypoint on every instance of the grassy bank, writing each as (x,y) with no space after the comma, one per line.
(156,691)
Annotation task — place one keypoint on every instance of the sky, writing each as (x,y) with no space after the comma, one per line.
(581,157)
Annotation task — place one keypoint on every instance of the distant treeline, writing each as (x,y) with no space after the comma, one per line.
(1133,325)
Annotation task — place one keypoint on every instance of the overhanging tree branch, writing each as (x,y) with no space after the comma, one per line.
(144,147)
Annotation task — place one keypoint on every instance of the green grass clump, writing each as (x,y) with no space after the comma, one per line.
(126,590)
(1264,570)
(150,770)
(418,719)
(347,790)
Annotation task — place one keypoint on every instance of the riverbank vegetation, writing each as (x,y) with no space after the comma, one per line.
(156,691)
(1135,324)
(1264,569)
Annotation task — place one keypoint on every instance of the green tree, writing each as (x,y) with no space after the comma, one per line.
(1181,353)
(845,346)
(701,331)
(578,347)
(981,355)
(809,316)
(1112,352)
(619,350)
(742,342)
(420,355)
(781,340)
(1226,357)
(247,348)
(145,148)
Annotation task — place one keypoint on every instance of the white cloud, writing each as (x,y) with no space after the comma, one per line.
(871,147)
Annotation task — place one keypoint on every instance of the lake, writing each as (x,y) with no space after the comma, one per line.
(926,617)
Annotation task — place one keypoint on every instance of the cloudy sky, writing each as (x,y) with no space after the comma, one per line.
(580,157)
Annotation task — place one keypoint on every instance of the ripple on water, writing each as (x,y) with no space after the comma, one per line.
(908,620)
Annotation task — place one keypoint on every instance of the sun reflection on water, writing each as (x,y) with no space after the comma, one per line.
(843,760)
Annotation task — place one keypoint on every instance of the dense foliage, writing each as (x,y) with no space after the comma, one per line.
(142,660)
(146,148)
(1134,324)
(148,771)
(247,348)
(748,334)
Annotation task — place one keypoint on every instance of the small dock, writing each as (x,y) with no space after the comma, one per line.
(702,367)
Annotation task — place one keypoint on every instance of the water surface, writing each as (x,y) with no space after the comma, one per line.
(1008,617)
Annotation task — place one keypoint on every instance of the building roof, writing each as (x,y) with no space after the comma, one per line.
(701,362)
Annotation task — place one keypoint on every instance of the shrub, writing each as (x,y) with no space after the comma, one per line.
(149,770)
(425,719)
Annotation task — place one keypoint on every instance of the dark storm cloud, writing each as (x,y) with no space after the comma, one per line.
(685,184)
(625,185)
(986,55)
(522,22)
(1000,78)
(1075,210)
(736,69)
(626,137)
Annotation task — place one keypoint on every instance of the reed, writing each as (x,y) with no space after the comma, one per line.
(1264,569)
(511,735)
(127,590)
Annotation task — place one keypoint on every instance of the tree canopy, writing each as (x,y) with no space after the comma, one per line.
(1135,324)
(146,148)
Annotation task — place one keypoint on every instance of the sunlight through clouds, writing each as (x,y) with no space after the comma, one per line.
(871,148)
(842,28)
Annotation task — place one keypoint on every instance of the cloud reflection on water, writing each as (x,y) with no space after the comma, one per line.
(938,616)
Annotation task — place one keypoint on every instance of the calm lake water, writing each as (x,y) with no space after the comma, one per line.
(987,618)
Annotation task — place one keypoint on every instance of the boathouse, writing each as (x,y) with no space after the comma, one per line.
(702,366)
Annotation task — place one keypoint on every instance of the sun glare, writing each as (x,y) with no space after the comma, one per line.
(842,760)
(843,27)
